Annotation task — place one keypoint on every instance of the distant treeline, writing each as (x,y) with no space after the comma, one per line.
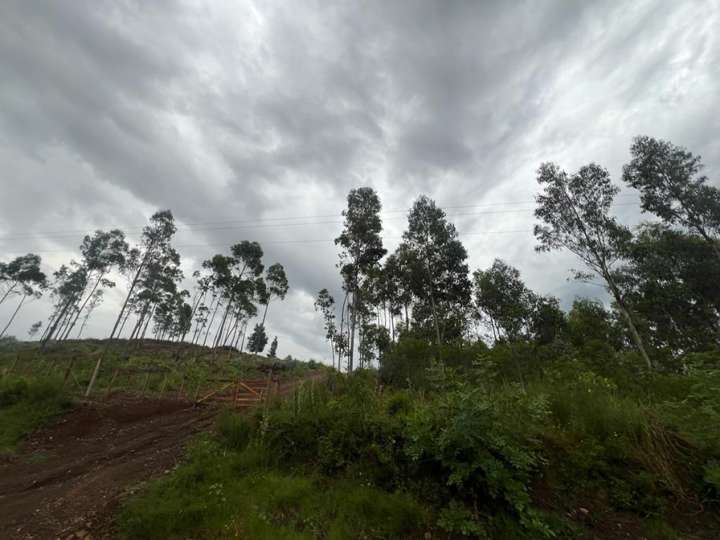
(662,277)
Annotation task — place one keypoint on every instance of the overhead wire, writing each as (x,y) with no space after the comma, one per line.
(208,226)
(257,224)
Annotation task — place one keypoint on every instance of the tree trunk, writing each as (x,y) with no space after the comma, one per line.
(192,315)
(629,319)
(392,325)
(198,331)
(82,307)
(230,336)
(217,305)
(136,328)
(242,345)
(22,301)
(240,333)
(124,306)
(435,320)
(353,319)
(117,322)
(148,322)
(60,334)
(219,334)
(51,320)
(7,293)
(59,318)
(122,326)
(135,334)
(69,322)
(82,326)
(341,344)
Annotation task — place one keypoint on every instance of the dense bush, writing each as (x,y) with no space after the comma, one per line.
(470,449)
(406,363)
(481,447)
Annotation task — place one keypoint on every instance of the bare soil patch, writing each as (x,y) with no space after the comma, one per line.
(67,479)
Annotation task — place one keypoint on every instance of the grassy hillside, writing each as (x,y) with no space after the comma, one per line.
(567,450)
(148,365)
(36,385)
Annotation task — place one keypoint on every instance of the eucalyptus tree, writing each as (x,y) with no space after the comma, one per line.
(374,342)
(183,320)
(547,321)
(362,249)
(154,246)
(575,214)
(273,348)
(35,328)
(398,280)
(21,277)
(503,301)
(34,293)
(244,266)
(277,285)
(172,316)
(258,339)
(212,311)
(395,291)
(101,253)
(325,304)
(437,274)
(245,309)
(156,285)
(241,307)
(95,300)
(673,284)
(68,285)
(201,319)
(672,187)
(220,279)
(589,321)
(201,289)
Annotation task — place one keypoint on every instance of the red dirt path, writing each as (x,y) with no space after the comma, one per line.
(67,479)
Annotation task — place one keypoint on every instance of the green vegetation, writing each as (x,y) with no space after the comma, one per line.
(148,367)
(473,406)
(26,404)
(468,452)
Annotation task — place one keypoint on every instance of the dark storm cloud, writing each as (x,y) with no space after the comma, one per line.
(249,111)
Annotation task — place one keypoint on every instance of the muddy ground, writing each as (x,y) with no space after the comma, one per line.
(66,480)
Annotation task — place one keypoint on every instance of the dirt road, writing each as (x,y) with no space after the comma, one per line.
(67,479)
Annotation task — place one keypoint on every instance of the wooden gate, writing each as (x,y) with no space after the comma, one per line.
(239,393)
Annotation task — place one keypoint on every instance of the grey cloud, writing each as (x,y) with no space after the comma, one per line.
(247,111)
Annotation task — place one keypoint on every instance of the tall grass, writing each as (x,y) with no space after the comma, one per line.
(25,405)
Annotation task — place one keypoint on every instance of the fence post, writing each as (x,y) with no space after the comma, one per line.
(110,384)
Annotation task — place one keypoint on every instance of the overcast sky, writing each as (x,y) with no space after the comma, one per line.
(253,120)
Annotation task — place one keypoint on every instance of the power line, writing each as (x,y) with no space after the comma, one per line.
(304,241)
(208,226)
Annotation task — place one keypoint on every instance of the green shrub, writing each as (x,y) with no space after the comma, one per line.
(25,405)
(215,494)
(405,364)
(481,446)
(465,449)
(711,476)
(235,429)
(400,404)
